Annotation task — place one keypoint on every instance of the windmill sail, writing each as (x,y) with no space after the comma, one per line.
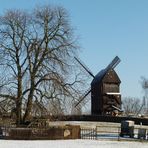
(113,63)
(84,66)
(82,98)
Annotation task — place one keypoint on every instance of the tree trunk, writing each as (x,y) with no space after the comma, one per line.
(19,99)
(18,112)
(27,116)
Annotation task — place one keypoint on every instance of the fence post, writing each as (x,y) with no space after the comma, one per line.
(118,133)
(96,132)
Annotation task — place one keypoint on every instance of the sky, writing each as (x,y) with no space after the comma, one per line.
(106,28)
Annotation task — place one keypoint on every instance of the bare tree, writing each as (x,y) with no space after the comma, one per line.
(36,52)
(76,85)
(132,106)
(144,84)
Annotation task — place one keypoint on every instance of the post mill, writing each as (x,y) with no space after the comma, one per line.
(105,90)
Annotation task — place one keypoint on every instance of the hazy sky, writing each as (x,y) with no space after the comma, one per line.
(107,28)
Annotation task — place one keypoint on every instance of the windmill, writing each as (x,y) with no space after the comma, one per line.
(105,90)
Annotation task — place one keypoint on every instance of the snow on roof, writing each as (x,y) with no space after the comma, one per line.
(113,93)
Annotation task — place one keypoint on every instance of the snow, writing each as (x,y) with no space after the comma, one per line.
(71,144)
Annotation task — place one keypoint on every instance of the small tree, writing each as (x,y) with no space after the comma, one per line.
(131,106)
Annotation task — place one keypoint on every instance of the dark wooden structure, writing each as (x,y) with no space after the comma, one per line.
(105,93)
(105,90)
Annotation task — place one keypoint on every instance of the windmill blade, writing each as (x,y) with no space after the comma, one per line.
(83,97)
(113,63)
(84,66)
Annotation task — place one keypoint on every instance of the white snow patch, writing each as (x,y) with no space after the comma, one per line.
(71,144)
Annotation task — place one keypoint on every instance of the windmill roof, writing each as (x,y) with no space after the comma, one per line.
(99,76)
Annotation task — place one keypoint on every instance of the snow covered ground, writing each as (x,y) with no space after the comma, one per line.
(72,144)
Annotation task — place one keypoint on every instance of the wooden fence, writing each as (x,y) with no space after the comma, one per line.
(50,133)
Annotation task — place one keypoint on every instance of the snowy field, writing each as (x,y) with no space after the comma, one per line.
(71,144)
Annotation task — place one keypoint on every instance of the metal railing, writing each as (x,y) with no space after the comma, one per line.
(88,133)
(113,133)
